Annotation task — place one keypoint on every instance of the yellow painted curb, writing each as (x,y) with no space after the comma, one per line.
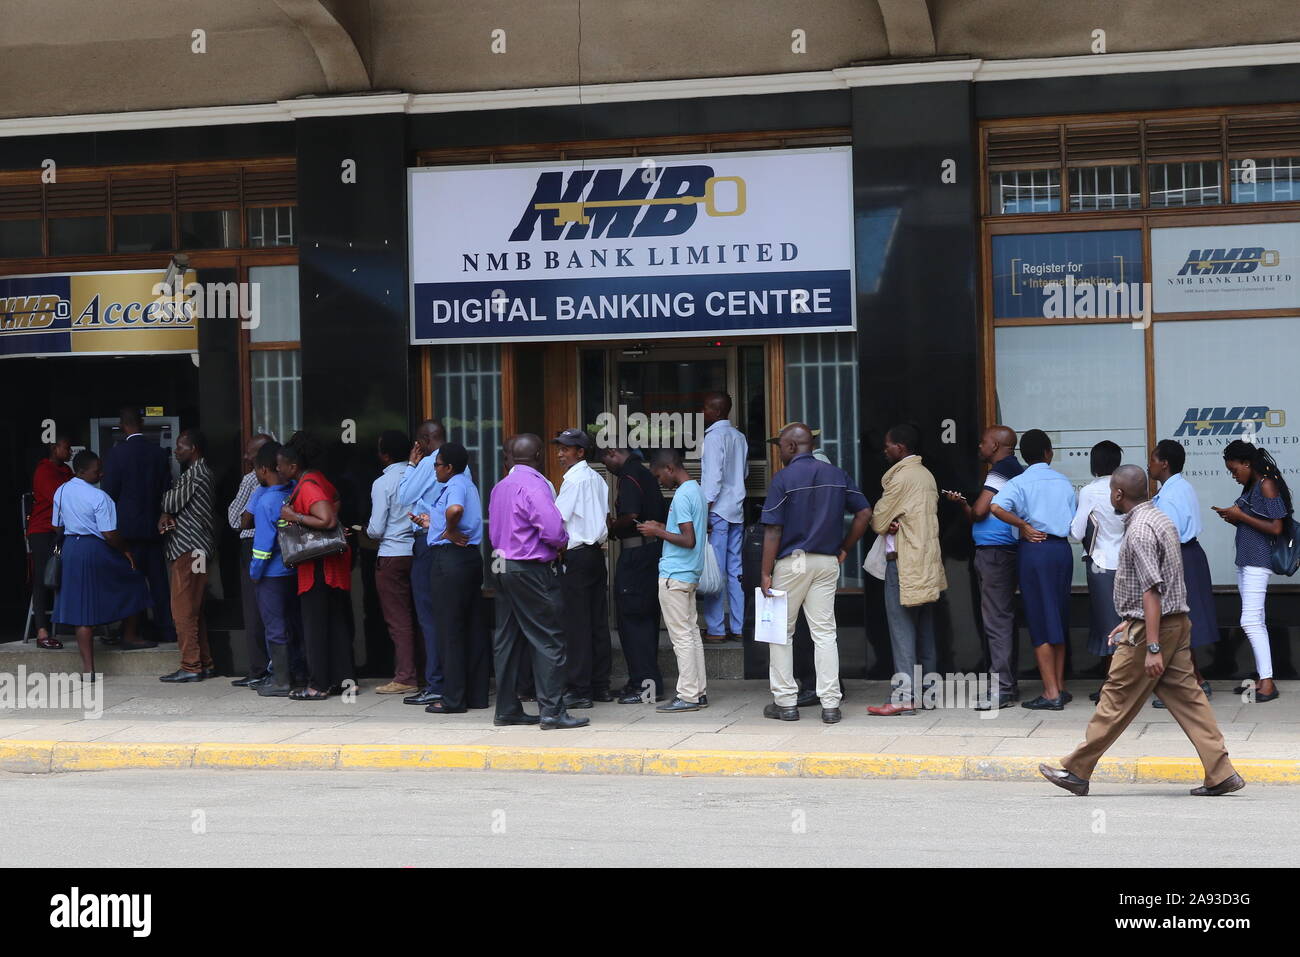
(278,757)
(26,757)
(112,756)
(723,763)
(379,757)
(44,756)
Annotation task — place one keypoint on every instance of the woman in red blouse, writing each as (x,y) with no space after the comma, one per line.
(323,583)
(51,472)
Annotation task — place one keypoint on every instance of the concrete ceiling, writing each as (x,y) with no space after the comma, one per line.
(72,56)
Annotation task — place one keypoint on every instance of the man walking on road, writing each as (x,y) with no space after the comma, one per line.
(1152,648)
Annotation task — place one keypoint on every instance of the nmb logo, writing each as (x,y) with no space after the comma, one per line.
(1238,420)
(652,201)
(1242,259)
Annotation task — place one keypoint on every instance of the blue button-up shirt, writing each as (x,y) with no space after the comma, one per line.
(1178,500)
(809,499)
(458,490)
(1041,496)
(389,524)
(81,509)
(724,463)
(420,483)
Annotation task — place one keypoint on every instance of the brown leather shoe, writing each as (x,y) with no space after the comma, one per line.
(1064,779)
(715,639)
(394,688)
(892,709)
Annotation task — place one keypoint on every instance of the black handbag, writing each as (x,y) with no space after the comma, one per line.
(1285,557)
(53,569)
(299,544)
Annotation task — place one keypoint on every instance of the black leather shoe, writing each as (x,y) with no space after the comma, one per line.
(1064,779)
(563,720)
(423,697)
(781,714)
(577,702)
(807,699)
(677,705)
(996,703)
(831,715)
(604,696)
(270,679)
(1045,704)
(516,719)
(704,701)
(1066,697)
(181,675)
(1261,698)
(1227,786)
(1095,696)
(247,680)
(211,673)
(1157,703)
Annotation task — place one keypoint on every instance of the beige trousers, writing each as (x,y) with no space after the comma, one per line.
(677,602)
(1128,689)
(809,582)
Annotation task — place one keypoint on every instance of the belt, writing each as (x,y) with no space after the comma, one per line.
(891,556)
(531,563)
(1057,538)
(633,542)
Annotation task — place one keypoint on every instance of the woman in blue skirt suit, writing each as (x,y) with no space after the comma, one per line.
(99,582)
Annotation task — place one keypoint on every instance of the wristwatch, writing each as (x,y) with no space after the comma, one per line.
(1153,647)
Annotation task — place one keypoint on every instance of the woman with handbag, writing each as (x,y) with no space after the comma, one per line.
(98,582)
(324,566)
(1259,515)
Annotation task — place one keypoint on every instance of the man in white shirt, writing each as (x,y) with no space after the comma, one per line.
(1101,531)
(724,464)
(583,502)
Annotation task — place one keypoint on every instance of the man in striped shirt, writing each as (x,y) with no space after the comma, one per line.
(190,544)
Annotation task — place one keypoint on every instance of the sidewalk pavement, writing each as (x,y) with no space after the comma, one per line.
(210,724)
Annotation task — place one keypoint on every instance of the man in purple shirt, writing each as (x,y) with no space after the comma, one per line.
(527,534)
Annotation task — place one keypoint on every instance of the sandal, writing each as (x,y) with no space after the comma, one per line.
(306,694)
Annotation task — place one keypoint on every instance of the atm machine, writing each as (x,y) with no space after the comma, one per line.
(163,429)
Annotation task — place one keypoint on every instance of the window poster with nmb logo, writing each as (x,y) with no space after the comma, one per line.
(1219,380)
(637,248)
(1222,268)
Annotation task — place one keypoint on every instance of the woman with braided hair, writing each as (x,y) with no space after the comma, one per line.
(1258,515)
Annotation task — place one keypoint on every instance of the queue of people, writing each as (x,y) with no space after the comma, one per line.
(142,543)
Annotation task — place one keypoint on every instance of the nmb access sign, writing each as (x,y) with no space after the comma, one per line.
(640,248)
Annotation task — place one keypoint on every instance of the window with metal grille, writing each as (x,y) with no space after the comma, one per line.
(1025,191)
(821,389)
(1105,187)
(1193,183)
(277,392)
(1274,180)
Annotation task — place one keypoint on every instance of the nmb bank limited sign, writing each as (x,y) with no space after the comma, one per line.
(633,249)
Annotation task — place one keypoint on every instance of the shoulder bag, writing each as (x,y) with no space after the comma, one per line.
(299,544)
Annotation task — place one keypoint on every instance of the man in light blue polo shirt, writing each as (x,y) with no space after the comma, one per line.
(1041,503)
(724,464)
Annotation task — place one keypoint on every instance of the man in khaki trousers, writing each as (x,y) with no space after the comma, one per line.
(803,545)
(1152,648)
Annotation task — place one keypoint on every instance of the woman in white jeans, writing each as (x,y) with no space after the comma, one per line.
(1258,516)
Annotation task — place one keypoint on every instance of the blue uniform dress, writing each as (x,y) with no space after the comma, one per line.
(98,584)
(1045,499)
(1178,500)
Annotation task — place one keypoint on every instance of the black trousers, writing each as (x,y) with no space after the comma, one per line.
(463,645)
(584,586)
(327,632)
(636,610)
(528,625)
(42,544)
(254,630)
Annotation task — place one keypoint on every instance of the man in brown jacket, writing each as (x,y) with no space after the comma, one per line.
(908,516)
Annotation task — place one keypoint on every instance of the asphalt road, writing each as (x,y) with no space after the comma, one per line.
(214,818)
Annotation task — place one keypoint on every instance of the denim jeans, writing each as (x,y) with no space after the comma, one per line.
(911,637)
